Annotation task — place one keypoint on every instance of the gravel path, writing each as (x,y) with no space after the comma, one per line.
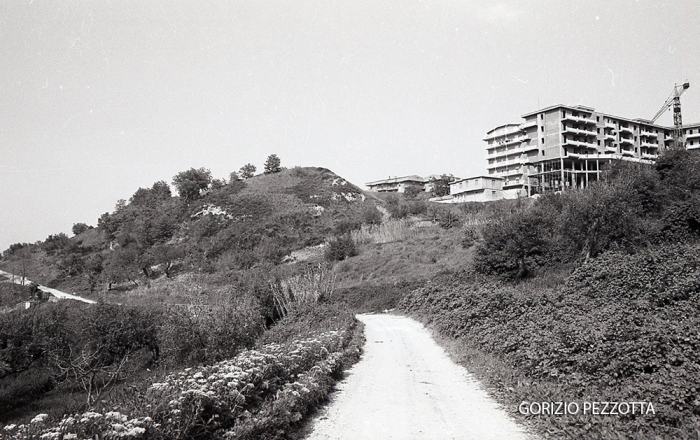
(405,387)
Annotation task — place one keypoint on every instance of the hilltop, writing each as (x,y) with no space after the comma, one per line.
(236,225)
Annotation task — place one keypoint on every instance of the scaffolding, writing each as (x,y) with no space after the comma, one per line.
(565,173)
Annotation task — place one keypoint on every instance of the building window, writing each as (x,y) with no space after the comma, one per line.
(542,128)
(542,152)
(597,118)
(542,141)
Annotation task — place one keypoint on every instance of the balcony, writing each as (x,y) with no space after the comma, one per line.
(511,141)
(610,136)
(649,156)
(527,124)
(609,125)
(649,134)
(625,141)
(578,131)
(648,145)
(610,149)
(580,144)
(508,163)
(517,172)
(578,119)
(693,135)
(626,130)
(529,147)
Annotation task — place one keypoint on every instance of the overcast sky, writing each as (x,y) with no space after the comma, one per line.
(99,98)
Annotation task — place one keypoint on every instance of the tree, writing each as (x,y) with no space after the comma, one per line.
(441,187)
(79,228)
(247,171)
(191,183)
(512,244)
(233,177)
(412,191)
(218,184)
(273,164)
(151,196)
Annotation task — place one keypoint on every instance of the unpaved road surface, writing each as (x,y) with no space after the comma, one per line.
(405,387)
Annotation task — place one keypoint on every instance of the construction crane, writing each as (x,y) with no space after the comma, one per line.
(675,101)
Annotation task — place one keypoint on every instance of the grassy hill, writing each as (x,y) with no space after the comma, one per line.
(239,225)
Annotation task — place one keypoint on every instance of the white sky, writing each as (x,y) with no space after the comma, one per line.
(99,98)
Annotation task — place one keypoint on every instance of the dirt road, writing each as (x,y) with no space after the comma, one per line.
(405,387)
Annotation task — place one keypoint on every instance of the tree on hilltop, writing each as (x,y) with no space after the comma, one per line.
(273,164)
(191,183)
(247,171)
(79,228)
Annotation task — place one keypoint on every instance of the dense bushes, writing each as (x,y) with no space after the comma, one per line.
(633,206)
(91,348)
(622,328)
(261,393)
(339,248)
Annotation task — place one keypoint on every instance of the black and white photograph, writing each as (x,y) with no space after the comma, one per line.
(317,220)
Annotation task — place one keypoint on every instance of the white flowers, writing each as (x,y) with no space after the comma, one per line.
(39,418)
(289,373)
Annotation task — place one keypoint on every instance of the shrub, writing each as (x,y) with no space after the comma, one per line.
(339,248)
(622,327)
(371,215)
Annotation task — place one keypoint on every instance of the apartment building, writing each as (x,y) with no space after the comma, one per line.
(561,147)
(397,184)
(476,189)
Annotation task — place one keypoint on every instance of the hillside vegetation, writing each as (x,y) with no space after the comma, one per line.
(592,295)
(214,303)
(182,281)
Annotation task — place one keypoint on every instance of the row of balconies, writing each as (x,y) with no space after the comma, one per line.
(578,119)
(508,151)
(578,131)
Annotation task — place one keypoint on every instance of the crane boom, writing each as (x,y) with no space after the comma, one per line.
(675,101)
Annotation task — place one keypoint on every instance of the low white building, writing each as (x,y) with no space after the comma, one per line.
(474,189)
(397,184)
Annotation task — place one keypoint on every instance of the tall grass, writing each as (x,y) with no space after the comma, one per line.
(388,232)
(314,283)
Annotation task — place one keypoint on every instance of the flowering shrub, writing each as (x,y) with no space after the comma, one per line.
(260,393)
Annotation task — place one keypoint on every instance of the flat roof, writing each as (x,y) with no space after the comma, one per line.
(411,178)
(582,108)
(477,177)
(592,110)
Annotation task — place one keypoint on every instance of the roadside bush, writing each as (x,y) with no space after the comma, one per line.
(261,393)
(622,328)
(313,283)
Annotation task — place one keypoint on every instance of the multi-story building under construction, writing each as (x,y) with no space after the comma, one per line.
(562,146)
